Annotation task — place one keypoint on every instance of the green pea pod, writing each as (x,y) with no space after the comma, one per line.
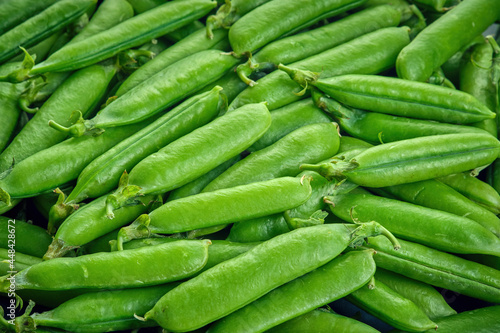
(437,5)
(59,164)
(12,260)
(275,19)
(27,238)
(410,99)
(40,51)
(40,26)
(113,270)
(192,44)
(211,295)
(391,307)
(287,119)
(431,227)
(160,91)
(110,310)
(338,278)
(438,268)
(228,205)
(322,321)
(175,165)
(130,33)
(14,12)
(437,195)
(474,189)
(44,202)
(426,297)
(141,6)
(483,320)
(444,37)
(369,54)
(9,93)
(414,160)
(36,135)
(297,47)
(377,128)
(231,84)
(348,143)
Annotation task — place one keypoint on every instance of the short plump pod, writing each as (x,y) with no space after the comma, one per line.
(237,282)
(434,228)
(438,268)
(41,25)
(404,98)
(227,205)
(24,237)
(425,296)
(437,195)
(377,127)
(415,159)
(391,307)
(176,165)
(102,311)
(277,18)
(13,12)
(196,42)
(444,37)
(475,189)
(120,269)
(336,279)
(130,33)
(322,321)
(369,54)
(68,98)
(169,86)
(9,93)
(297,47)
(483,320)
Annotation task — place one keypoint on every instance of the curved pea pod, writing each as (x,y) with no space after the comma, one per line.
(275,19)
(338,278)
(102,311)
(438,268)
(444,37)
(176,165)
(414,160)
(297,47)
(289,118)
(40,26)
(369,54)
(265,267)
(26,238)
(377,128)
(9,93)
(160,91)
(13,12)
(474,189)
(59,164)
(130,33)
(437,195)
(431,227)
(426,297)
(322,321)
(410,99)
(195,42)
(392,308)
(36,135)
(227,205)
(120,269)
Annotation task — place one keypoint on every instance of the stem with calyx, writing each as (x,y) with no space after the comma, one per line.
(302,77)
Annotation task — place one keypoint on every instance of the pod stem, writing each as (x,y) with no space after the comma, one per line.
(125,195)
(329,105)
(4,323)
(57,249)
(224,18)
(78,128)
(316,218)
(302,77)
(21,74)
(137,230)
(371,229)
(333,169)
(246,69)
(25,323)
(59,212)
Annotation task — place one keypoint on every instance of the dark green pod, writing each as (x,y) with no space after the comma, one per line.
(27,238)
(13,12)
(9,93)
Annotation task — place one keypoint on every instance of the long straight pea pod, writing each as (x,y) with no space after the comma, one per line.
(40,26)
(102,175)
(338,278)
(169,86)
(9,117)
(13,12)
(61,106)
(176,165)
(410,99)
(368,54)
(434,228)
(444,37)
(239,281)
(228,205)
(414,160)
(297,47)
(274,19)
(101,311)
(438,268)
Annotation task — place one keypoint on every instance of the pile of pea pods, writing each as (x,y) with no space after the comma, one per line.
(249,166)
